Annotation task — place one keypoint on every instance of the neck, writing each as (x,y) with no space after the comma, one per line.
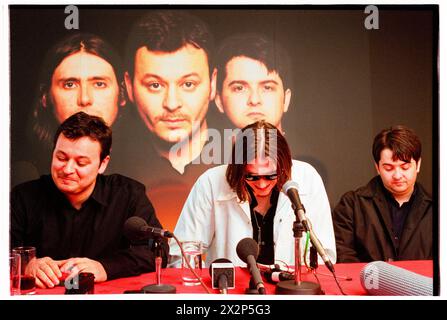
(404,197)
(263,204)
(78,199)
(184,152)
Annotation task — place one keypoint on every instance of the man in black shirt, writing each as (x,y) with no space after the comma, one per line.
(75,217)
(391,217)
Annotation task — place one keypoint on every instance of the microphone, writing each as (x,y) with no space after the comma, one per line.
(379,278)
(222,275)
(290,188)
(247,251)
(277,276)
(136,228)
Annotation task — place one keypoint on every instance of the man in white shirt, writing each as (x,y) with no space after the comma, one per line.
(243,199)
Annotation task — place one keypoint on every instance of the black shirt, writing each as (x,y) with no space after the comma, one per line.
(398,213)
(42,217)
(264,223)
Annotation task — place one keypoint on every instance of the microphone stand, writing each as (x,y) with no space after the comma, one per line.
(158,287)
(251,287)
(297,286)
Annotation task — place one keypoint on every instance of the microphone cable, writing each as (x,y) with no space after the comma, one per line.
(314,264)
(189,265)
(338,284)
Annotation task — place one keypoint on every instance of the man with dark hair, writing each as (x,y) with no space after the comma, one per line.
(75,216)
(81,72)
(253,80)
(170,81)
(391,217)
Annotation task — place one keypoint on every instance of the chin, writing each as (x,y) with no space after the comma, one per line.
(263,193)
(176,136)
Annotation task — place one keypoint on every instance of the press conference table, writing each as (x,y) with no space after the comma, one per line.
(328,284)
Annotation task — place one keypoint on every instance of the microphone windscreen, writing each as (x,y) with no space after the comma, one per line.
(379,278)
(289,185)
(220,260)
(132,227)
(246,247)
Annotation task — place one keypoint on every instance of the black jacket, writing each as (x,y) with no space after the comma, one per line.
(363,226)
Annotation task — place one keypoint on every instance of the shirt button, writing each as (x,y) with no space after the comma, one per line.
(262,242)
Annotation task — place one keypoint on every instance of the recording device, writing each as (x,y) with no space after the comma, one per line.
(136,228)
(290,188)
(379,278)
(272,267)
(274,277)
(247,250)
(222,275)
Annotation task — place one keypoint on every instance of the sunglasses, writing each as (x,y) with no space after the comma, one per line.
(252,177)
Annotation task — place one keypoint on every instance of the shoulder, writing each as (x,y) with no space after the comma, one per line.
(120,181)
(40,185)
(423,193)
(306,176)
(214,175)
(303,168)
(370,190)
(214,182)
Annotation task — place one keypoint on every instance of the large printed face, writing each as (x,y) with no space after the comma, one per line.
(171,90)
(76,164)
(398,177)
(251,93)
(84,82)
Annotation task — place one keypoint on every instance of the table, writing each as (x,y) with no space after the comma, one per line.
(328,284)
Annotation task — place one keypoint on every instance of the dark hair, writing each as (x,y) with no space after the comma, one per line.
(402,141)
(168,31)
(81,125)
(259,139)
(44,121)
(255,46)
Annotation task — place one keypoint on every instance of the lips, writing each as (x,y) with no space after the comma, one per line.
(173,123)
(256,115)
(66,180)
(173,120)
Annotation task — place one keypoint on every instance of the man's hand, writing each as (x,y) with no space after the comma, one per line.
(74,266)
(46,271)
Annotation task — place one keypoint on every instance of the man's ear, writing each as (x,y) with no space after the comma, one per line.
(103,165)
(43,100)
(218,102)
(418,165)
(213,84)
(287,98)
(377,167)
(122,94)
(129,87)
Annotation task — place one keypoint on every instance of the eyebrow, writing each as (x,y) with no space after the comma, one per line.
(151,75)
(107,78)
(246,82)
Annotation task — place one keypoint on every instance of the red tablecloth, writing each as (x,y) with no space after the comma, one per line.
(172,277)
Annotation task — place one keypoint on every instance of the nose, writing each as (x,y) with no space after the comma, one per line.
(254,98)
(69,167)
(262,183)
(172,101)
(85,96)
(397,174)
